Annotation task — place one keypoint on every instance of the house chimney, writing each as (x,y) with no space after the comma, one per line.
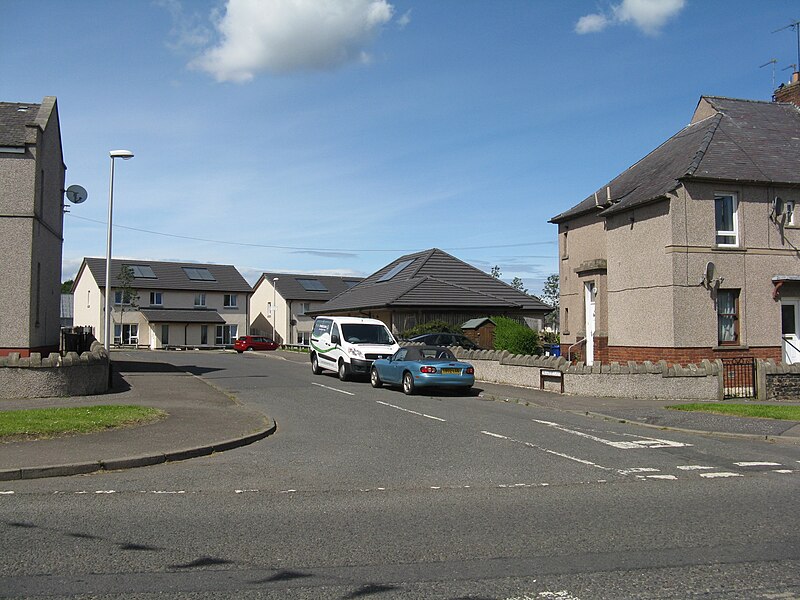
(789,92)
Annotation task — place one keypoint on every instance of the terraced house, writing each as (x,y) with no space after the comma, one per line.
(692,252)
(175,304)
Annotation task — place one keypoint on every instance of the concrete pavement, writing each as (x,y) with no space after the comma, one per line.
(202,420)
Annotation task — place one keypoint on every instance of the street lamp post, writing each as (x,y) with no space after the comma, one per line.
(274,309)
(124,155)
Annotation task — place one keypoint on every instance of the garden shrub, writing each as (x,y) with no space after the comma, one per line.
(515,337)
(430,327)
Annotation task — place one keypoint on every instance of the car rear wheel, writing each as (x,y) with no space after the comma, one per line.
(343,370)
(374,378)
(408,383)
(250,348)
(315,365)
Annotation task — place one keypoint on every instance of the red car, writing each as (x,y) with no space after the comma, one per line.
(254,342)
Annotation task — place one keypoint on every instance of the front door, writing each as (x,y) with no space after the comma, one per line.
(590,296)
(790,329)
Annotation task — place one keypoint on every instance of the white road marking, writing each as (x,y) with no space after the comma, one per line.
(168,492)
(105,492)
(670,477)
(245,491)
(6,493)
(560,595)
(547,450)
(722,474)
(694,467)
(757,464)
(782,471)
(287,491)
(327,387)
(638,470)
(644,442)
(413,412)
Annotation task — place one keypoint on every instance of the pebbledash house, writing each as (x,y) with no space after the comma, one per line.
(693,252)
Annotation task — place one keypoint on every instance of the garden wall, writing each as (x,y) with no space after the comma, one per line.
(630,380)
(70,375)
(780,382)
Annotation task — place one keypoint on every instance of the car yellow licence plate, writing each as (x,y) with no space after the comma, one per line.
(451,371)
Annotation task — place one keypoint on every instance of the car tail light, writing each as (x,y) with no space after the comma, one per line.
(470,371)
(427,369)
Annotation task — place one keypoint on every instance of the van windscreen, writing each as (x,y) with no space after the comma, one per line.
(360,333)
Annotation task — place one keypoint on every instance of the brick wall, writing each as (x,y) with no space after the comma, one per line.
(685,356)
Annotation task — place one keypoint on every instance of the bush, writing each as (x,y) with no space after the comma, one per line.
(551,337)
(430,327)
(515,337)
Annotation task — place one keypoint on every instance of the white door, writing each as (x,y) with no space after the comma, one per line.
(790,328)
(590,296)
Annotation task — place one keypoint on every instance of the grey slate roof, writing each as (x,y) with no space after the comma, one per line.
(165,315)
(169,276)
(290,288)
(433,279)
(14,122)
(741,141)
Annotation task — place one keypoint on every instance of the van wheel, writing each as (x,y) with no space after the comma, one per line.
(344,372)
(408,383)
(374,378)
(315,365)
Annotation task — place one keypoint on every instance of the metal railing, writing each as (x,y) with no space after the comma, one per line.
(739,377)
(569,350)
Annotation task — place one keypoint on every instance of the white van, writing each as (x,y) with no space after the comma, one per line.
(348,345)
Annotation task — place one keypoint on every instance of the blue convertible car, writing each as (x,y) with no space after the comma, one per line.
(422,366)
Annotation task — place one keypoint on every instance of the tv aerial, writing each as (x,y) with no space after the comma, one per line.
(772,62)
(796,26)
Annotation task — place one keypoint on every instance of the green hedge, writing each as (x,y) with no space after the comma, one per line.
(515,337)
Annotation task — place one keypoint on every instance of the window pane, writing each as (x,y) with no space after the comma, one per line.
(727,316)
(724,213)
(788,323)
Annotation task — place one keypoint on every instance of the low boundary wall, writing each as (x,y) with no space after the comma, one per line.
(630,380)
(55,375)
(778,382)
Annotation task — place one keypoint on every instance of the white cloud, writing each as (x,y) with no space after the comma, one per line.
(591,24)
(290,35)
(647,15)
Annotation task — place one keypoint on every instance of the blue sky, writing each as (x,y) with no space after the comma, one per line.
(333,137)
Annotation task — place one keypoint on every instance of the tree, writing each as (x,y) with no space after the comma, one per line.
(517,284)
(66,287)
(550,296)
(130,296)
(496,272)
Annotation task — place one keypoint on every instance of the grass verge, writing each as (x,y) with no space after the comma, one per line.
(42,423)
(761,411)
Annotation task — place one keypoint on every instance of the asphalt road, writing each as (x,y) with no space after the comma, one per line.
(371,493)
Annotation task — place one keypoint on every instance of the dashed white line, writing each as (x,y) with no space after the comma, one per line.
(667,477)
(547,450)
(757,464)
(644,442)
(694,468)
(327,387)
(638,470)
(720,474)
(785,471)
(6,493)
(413,412)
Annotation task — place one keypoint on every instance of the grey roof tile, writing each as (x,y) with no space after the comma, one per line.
(742,140)
(433,278)
(169,276)
(15,118)
(290,288)
(165,315)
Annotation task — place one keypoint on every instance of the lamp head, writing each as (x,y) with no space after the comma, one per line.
(123,154)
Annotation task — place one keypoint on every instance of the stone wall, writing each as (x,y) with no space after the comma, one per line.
(70,375)
(629,380)
(780,382)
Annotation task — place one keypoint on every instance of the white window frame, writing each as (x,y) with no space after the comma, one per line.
(303,338)
(789,211)
(119,298)
(158,297)
(133,333)
(303,308)
(721,233)
(230,301)
(200,299)
(229,332)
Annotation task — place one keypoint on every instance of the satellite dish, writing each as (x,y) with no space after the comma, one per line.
(778,206)
(710,272)
(76,194)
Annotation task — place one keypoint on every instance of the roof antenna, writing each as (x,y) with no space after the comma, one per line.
(772,62)
(796,26)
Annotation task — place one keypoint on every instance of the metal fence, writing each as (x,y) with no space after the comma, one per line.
(739,377)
